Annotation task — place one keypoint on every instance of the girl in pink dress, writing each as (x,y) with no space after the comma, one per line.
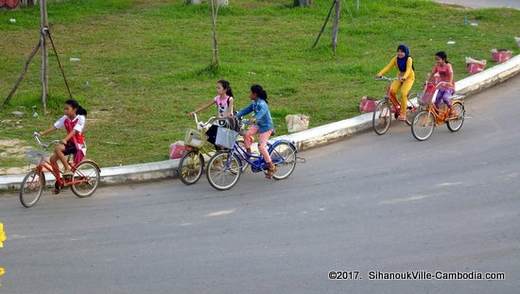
(442,72)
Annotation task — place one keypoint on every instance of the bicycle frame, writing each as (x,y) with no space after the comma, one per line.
(257,162)
(45,165)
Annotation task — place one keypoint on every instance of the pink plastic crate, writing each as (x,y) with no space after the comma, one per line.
(501,55)
(367,105)
(178,149)
(474,68)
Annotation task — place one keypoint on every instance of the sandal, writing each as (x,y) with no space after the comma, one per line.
(271,169)
(402,117)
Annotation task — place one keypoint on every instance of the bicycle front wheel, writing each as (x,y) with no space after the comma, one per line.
(85,179)
(382,117)
(223,171)
(423,125)
(191,167)
(455,124)
(283,156)
(32,188)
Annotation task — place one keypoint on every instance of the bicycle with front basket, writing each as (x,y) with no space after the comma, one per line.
(426,120)
(191,165)
(225,167)
(387,107)
(83,183)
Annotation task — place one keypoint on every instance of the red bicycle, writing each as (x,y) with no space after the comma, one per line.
(83,183)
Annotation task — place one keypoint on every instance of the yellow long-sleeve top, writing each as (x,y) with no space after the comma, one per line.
(409,73)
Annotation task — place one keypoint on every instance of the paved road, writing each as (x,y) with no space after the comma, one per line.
(484,3)
(368,203)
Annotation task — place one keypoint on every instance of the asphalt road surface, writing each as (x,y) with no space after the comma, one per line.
(484,3)
(368,203)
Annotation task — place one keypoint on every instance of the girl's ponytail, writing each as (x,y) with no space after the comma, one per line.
(81,111)
(442,55)
(225,84)
(260,92)
(74,104)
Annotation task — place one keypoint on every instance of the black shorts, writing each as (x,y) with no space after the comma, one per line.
(70,148)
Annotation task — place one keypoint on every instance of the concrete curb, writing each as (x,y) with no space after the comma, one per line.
(304,140)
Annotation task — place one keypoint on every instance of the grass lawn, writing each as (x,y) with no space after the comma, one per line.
(143,62)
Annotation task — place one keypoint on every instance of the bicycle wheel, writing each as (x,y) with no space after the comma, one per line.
(32,188)
(382,118)
(223,170)
(411,111)
(457,109)
(423,125)
(283,156)
(86,179)
(191,167)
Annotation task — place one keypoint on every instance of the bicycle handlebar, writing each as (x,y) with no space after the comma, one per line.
(201,124)
(38,139)
(383,78)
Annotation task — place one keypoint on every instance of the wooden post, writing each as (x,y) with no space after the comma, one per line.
(214,14)
(44,24)
(335,25)
(324,24)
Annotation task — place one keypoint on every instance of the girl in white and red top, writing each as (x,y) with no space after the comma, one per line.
(223,101)
(442,72)
(73,122)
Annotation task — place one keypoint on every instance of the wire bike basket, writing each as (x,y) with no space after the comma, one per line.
(226,138)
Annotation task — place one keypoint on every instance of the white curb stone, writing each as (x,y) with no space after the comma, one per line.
(304,140)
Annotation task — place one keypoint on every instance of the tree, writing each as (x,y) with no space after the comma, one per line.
(303,3)
(214,14)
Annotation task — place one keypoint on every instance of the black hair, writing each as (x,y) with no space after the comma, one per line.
(225,84)
(259,91)
(75,104)
(442,55)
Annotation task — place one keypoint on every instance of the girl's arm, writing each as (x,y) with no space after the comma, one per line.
(245,111)
(409,65)
(432,74)
(48,131)
(387,68)
(68,137)
(230,107)
(203,107)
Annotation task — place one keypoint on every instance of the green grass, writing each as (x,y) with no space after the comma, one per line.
(143,62)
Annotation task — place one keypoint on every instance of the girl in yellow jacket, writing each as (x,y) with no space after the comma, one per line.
(406,76)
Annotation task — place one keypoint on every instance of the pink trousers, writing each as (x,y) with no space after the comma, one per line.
(262,141)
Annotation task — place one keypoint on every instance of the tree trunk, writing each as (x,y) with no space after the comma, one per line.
(335,25)
(45,56)
(214,13)
(303,3)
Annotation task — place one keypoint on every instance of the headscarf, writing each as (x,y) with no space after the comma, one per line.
(401,62)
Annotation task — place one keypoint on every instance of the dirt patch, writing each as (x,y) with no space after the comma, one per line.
(12,149)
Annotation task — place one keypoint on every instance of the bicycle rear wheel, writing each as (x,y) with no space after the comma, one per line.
(382,117)
(283,156)
(423,125)
(191,167)
(457,109)
(223,170)
(32,188)
(411,111)
(86,179)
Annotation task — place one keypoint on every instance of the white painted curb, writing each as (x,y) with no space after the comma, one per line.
(304,140)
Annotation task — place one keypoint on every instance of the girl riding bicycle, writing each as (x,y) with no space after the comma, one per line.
(404,63)
(442,73)
(223,101)
(73,121)
(263,125)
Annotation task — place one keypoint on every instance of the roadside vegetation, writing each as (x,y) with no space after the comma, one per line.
(144,64)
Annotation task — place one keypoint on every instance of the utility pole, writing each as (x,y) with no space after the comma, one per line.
(44,24)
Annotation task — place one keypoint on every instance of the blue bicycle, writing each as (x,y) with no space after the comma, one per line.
(225,167)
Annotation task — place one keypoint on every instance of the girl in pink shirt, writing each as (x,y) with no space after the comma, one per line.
(442,73)
(223,101)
